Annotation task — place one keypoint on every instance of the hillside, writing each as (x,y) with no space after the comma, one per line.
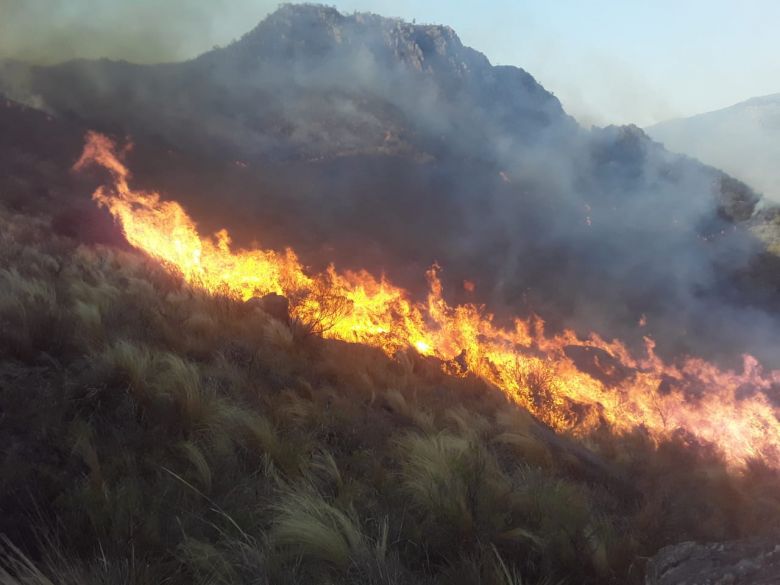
(154,433)
(337,304)
(386,145)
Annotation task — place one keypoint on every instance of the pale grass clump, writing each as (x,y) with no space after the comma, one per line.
(179,381)
(24,300)
(315,524)
(431,472)
(201,325)
(183,303)
(558,514)
(298,410)
(84,443)
(91,297)
(96,267)
(152,375)
(507,575)
(516,430)
(89,320)
(36,263)
(100,293)
(140,288)
(21,239)
(222,426)
(247,428)
(324,470)
(131,362)
(418,416)
(33,320)
(195,456)
(467,423)
(57,567)
(278,334)
(233,559)
(405,375)
(527,447)
(91,302)
(307,525)
(129,264)
(462,498)
(157,378)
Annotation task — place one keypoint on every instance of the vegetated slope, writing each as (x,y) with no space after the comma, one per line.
(385,145)
(153,433)
(741,139)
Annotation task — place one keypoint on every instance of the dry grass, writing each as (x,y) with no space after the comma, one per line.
(162,435)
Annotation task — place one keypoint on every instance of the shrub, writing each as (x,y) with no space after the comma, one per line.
(153,433)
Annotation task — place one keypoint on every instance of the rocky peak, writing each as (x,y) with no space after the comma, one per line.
(312,34)
(311,30)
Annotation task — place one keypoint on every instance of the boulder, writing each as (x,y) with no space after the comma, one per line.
(741,562)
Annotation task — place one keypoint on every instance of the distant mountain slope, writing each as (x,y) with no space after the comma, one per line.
(743,140)
(385,145)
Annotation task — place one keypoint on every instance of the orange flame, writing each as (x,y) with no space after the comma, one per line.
(538,371)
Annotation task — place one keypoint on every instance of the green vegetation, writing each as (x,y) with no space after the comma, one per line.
(150,433)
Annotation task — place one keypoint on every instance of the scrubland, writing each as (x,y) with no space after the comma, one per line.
(151,433)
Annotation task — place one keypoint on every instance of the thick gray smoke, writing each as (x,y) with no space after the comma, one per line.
(381,144)
(143,31)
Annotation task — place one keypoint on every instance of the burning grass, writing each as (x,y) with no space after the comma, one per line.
(154,432)
(573,384)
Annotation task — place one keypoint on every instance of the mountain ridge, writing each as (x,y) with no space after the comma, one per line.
(390,146)
(771,99)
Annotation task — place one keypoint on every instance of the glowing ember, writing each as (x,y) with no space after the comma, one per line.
(536,370)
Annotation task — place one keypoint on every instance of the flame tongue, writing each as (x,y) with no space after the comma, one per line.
(530,367)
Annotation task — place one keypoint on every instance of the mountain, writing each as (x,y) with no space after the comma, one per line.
(156,429)
(309,83)
(390,146)
(741,139)
(155,434)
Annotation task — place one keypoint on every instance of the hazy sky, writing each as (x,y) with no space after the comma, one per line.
(609,61)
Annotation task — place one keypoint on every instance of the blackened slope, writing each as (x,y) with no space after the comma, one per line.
(381,144)
(310,83)
(37,151)
(422,70)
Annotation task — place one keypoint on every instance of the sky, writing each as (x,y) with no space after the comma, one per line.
(608,61)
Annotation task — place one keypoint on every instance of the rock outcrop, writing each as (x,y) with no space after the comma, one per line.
(742,562)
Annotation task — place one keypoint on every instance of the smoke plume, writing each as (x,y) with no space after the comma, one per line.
(143,31)
(384,145)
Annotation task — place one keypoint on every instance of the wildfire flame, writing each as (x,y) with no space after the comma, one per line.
(535,369)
